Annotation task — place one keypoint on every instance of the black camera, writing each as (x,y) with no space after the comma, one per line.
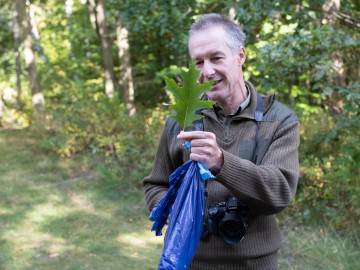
(229,219)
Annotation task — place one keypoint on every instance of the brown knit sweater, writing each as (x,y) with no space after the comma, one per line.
(267,186)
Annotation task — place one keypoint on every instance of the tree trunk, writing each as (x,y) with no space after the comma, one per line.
(126,80)
(69,10)
(16,30)
(92,15)
(330,9)
(36,35)
(38,99)
(98,11)
(233,10)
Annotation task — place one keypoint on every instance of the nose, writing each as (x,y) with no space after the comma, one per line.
(207,71)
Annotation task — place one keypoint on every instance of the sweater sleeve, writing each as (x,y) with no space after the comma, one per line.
(156,184)
(269,187)
(168,157)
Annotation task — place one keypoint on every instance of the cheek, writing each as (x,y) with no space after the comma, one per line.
(234,74)
(200,78)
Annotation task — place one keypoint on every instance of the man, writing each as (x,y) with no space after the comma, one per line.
(255,161)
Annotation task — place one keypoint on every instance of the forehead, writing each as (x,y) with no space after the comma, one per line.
(207,42)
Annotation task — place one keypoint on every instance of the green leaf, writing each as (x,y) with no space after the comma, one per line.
(187,97)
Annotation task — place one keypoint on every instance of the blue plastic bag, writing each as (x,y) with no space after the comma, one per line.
(185,228)
(161,211)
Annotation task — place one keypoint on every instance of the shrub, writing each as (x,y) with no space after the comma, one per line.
(102,127)
(329,182)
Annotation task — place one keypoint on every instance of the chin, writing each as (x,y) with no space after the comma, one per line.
(213,96)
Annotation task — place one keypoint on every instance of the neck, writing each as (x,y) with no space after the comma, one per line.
(232,105)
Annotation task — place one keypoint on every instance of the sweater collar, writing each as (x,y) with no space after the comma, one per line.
(247,111)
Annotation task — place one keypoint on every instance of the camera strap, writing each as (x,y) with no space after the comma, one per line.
(258,118)
(199,125)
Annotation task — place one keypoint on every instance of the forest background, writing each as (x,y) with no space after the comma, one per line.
(82,95)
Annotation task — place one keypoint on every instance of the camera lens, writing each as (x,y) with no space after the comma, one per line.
(232,228)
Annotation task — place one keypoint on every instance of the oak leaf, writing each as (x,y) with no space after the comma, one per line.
(187,96)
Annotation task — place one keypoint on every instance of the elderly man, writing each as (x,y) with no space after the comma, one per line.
(250,143)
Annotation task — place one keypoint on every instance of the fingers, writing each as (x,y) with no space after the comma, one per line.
(200,141)
(192,135)
(204,148)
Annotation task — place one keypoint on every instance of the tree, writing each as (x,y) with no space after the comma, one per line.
(16,30)
(337,77)
(69,4)
(38,99)
(126,80)
(97,16)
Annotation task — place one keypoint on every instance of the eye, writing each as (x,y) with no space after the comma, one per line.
(198,63)
(216,58)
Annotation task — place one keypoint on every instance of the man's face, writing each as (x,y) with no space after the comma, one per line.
(216,61)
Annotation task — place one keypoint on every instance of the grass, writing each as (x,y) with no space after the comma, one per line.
(64,214)
(319,248)
(59,214)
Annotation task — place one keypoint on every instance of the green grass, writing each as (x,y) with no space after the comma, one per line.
(319,248)
(59,214)
(73,214)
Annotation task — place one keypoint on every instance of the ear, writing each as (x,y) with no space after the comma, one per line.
(241,56)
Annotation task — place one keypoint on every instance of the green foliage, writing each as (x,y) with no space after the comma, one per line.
(101,126)
(187,97)
(290,51)
(330,183)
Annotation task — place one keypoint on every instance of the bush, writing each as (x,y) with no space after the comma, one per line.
(329,182)
(102,127)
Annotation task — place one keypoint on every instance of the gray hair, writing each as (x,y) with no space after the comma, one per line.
(234,35)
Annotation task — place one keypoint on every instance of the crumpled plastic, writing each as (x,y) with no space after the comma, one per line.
(185,201)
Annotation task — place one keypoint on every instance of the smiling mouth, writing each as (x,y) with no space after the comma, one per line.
(217,82)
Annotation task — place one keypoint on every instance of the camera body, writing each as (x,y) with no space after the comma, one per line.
(229,219)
